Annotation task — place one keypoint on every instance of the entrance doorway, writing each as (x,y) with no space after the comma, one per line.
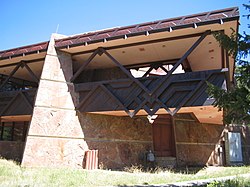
(163,136)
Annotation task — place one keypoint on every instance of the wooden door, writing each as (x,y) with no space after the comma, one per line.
(163,136)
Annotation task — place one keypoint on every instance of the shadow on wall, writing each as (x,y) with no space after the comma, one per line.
(220,156)
(120,141)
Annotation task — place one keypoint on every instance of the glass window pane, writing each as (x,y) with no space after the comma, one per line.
(7,131)
(18,131)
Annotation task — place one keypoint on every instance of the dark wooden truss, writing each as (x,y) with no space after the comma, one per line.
(17,95)
(171,91)
(9,82)
(187,89)
(19,102)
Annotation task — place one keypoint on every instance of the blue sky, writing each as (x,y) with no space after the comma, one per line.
(25,22)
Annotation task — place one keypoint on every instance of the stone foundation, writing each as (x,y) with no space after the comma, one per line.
(120,141)
(196,143)
(204,144)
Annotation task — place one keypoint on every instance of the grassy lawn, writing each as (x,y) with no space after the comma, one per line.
(12,174)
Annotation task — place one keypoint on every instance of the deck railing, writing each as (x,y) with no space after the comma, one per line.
(178,90)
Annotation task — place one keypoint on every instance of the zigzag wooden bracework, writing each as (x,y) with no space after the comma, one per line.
(147,93)
(17,102)
(180,90)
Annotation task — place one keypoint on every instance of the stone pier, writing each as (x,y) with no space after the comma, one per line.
(55,136)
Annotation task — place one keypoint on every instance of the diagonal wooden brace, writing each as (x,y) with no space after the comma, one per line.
(10,75)
(191,49)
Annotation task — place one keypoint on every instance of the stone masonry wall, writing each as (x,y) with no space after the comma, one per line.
(204,144)
(120,141)
(196,143)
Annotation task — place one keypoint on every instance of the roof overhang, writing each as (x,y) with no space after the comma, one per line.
(157,41)
(147,42)
(167,25)
(203,114)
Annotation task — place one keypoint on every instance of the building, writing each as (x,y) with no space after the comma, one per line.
(122,91)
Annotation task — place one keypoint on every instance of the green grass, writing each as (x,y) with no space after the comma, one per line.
(238,182)
(12,174)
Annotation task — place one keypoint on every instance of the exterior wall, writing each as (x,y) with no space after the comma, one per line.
(197,144)
(59,136)
(120,141)
(204,144)
(11,150)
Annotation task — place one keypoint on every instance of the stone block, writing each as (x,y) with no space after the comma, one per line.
(55,94)
(194,132)
(57,66)
(55,122)
(112,127)
(194,155)
(117,155)
(54,152)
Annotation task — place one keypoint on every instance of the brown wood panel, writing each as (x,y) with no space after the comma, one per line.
(17,102)
(163,136)
(181,90)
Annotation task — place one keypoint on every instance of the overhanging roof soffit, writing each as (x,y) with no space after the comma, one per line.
(191,21)
(146,97)
(19,65)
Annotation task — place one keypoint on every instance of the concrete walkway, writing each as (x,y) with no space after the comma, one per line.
(201,182)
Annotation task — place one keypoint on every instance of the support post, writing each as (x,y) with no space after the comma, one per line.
(55,137)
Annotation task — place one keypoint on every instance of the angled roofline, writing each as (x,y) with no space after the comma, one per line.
(194,20)
(24,50)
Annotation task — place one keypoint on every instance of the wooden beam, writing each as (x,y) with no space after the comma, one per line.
(115,99)
(147,72)
(17,81)
(85,64)
(10,75)
(131,77)
(142,43)
(164,69)
(228,73)
(30,72)
(133,99)
(26,61)
(186,66)
(147,64)
(191,49)
(16,118)
(222,57)
(2,124)
(13,99)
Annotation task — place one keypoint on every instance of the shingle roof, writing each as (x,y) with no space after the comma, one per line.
(217,16)
(24,50)
(195,20)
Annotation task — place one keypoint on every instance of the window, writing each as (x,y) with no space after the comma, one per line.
(13,131)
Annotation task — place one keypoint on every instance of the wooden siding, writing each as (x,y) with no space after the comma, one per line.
(179,90)
(18,102)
